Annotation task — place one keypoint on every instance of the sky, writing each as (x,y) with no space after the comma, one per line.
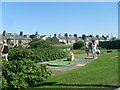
(96,18)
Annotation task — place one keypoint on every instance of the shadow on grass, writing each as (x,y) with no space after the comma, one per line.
(78,85)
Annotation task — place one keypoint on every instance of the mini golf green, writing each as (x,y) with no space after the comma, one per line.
(65,62)
(59,63)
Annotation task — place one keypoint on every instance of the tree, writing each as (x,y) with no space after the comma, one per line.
(78,44)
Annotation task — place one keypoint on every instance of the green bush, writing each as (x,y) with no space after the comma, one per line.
(115,44)
(103,44)
(23,74)
(78,45)
(40,44)
(36,54)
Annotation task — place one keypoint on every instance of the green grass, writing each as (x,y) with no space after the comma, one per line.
(78,51)
(101,72)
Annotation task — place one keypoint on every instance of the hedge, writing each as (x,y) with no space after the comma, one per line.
(115,44)
(23,74)
(78,45)
(37,55)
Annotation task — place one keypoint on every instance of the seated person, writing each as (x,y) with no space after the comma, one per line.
(70,56)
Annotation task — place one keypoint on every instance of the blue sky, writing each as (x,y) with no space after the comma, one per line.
(61,17)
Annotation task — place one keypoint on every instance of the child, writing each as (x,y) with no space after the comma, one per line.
(70,56)
(97,50)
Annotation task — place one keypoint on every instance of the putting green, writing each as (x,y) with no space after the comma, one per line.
(59,63)
(65,62)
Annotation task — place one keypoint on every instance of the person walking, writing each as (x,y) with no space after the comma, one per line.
(4,50)
(94,47)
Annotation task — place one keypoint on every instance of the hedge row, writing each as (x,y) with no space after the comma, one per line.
(37,55)
(78,45)
(21,71)
(115,44)
(22,74)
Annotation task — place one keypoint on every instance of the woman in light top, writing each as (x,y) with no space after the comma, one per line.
(4,50)
(94,47)
(87,48)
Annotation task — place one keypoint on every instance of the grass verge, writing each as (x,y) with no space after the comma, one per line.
(103,72)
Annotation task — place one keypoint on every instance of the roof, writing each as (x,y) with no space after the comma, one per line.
(64,38)
(61,37)
(42,36)
(13,36)
(71,38)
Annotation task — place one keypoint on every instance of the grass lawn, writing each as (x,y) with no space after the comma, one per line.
(103,72)
(78,51)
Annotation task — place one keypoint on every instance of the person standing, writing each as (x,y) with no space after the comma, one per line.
(87,48)
(4,50)
(94,47)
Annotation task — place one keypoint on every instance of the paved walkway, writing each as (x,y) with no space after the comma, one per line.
(73,65)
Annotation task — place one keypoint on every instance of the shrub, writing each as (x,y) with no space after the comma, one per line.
(115,44)
(40,44)
(78,45)
(35,54)
(23,74)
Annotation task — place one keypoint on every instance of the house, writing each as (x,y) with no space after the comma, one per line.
(44,37)
(64,40)
(34,36)
(15,39)
(89,39)
(24,41)
(71,40)
(60,39)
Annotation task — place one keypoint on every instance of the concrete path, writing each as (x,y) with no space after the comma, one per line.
(73,65)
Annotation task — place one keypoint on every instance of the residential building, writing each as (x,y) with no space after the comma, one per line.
(64,40)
